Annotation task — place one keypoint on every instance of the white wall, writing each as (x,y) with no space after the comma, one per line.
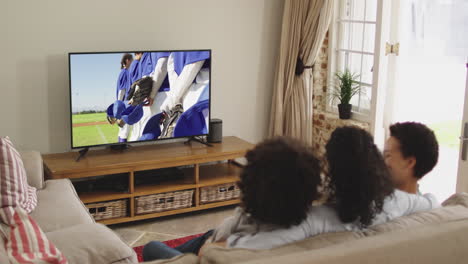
(35,37)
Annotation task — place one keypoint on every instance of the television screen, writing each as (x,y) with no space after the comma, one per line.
(118,97)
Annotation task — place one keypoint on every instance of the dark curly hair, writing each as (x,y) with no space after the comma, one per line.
(280,181)
(358,179)
(418,141)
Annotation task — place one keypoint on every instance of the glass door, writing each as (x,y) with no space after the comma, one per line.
(426,78)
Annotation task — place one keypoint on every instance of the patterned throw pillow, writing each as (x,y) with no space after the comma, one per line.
(24,240)
(14,188)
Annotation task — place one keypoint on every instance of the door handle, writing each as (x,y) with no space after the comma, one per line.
(464,142)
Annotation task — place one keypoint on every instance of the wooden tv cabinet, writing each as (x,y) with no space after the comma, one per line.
(197,159)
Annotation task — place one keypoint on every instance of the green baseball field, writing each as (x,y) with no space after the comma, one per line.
(93,129)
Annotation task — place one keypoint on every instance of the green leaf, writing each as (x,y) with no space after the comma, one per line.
(346,85)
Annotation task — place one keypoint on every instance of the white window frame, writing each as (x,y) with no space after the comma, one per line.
(334,37)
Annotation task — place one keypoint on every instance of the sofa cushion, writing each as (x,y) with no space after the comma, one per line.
(214,254)
(126,261)
(92,243)
(34,167)
(445,243)
(24,240)
(181,259)
(59,206)
(457,199)
(454,209)
(14,188)
(435,216)
(3,253)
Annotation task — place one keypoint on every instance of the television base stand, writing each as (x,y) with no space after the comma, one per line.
(119,147)
(199,140)
(82,154)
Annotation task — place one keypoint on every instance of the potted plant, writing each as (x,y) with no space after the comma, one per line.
(346,86)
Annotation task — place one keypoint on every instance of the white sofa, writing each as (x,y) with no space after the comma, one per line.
(66,222)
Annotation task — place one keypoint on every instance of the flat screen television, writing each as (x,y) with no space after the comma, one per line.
(121,97)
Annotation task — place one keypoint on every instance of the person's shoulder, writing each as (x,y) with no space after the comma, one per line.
(324,218)
(322,209)
(398,194)
(428,196)
(415,202)
(433,199)
(319,213)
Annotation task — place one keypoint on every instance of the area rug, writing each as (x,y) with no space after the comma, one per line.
(172,243)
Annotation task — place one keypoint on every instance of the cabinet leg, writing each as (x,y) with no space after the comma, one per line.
(197,181)
(131,189)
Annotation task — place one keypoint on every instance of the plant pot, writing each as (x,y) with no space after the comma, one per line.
(344,111)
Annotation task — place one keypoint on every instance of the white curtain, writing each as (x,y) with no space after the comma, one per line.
(305,24)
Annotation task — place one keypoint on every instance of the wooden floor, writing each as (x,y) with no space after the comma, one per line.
(171,227)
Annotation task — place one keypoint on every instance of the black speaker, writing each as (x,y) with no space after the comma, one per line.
(216,131)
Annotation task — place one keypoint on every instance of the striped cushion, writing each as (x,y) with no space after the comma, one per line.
(24,240)
(14,188)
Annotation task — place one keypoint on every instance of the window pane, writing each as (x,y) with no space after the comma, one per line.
(353,62)
(371,10)
(340,62)
(345,40)
(366,95)
(362,103)
(357,9)
(359,37)
(367,67)
(369,38)
(357,31)
(355,102)
(352,34)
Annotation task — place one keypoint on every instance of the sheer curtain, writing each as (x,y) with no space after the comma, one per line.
(305,24)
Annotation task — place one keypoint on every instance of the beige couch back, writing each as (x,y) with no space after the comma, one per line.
(238,255)
(454,210)
(446,243)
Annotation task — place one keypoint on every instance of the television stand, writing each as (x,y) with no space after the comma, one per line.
(82,154)
(119,147)
(204,172)
(201,141)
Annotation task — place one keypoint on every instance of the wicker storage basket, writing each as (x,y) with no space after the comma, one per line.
(163,201)
(107,210)
(222,192)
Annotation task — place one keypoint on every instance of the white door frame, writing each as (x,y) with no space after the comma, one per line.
(379,87)
(462,176)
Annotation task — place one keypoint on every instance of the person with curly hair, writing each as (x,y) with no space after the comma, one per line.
(361,188)
(358,179)
(410,153)
(278,185)
(361,193)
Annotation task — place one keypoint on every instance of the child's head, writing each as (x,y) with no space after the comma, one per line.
(138,55)
(358,178)
(410,152)
(127,59)
(280,181)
